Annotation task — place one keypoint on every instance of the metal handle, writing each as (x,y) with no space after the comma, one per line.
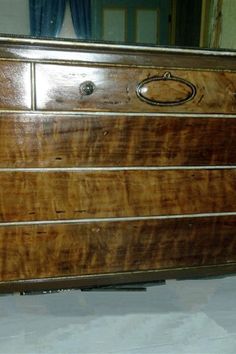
(87,88)
(142,88)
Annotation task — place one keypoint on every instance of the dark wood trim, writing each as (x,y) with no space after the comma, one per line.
(80,282)
(81,52)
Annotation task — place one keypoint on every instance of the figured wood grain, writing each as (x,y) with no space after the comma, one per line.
(15,85)
(46,251)
(73,195)
(37,140)
(105,247)
(58,88)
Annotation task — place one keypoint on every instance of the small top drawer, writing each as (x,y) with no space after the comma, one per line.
(15,85)
(129,89)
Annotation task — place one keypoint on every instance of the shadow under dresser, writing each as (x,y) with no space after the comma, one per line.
(117,164)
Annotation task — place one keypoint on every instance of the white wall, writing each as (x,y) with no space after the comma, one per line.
(67,30)
(225,18)
(14,17)
(228,34)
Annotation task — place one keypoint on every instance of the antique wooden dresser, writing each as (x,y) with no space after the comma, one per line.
(117,164)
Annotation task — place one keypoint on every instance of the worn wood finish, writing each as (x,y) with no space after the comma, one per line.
(96,248)
(45,76)
(72,195)
(15,85)
(115,89)
(74,52)
(75,141)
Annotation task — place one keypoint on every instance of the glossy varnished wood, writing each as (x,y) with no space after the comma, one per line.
(95,248)
(76,141)
(115,89)
(71,195)
(46,75)
(15,85)
(74,52)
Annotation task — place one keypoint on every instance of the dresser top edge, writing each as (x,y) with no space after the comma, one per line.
(100,46)
(70,51)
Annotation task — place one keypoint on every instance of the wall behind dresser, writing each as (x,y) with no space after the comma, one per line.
(14,19)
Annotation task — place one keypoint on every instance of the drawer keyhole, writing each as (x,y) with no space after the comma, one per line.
(86,88)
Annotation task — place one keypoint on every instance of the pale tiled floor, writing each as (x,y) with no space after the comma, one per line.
(197,316)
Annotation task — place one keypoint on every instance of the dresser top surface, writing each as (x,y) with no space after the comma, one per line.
(74,44)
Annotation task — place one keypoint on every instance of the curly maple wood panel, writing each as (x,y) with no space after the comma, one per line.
(71,195)
(58,88)
(103,247)
(37,140)
(15,85)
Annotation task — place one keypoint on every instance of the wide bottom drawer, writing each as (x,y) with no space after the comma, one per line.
(54,250)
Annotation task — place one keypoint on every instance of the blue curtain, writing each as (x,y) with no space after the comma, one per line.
(81,17)
(46,17)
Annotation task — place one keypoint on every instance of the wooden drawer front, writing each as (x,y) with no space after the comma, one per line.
(40,251)
(75,141)
(58,87)
(15,85)
(75,195)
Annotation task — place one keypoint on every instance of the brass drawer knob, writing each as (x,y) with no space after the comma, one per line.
(87,88)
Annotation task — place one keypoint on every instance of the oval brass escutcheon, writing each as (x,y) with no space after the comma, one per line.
(166,90)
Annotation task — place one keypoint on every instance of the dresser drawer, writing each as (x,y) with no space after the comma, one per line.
(42,251)
(69,88)
(60,195)
(76,140)
(15,85)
